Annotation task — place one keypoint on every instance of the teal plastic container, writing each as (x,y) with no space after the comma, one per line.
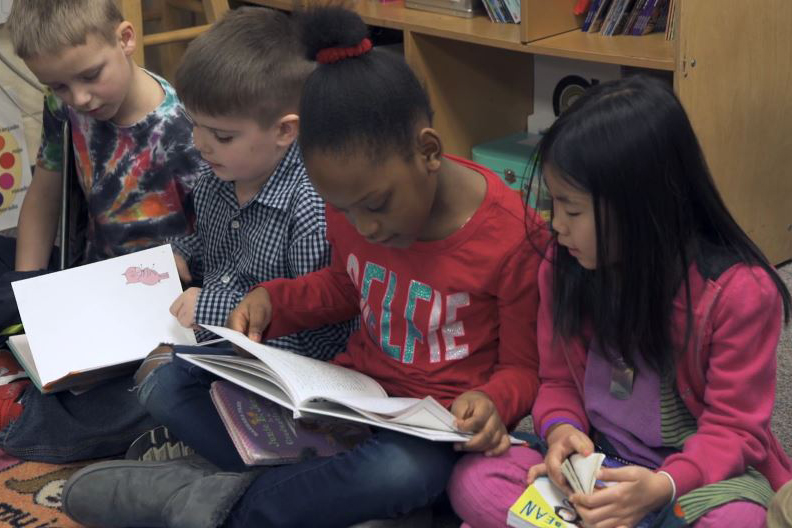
(513,158)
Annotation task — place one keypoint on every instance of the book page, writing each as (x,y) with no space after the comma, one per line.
(101,314)
(245,378)
(18,344)
(306,378)
(426,413)
(586,469)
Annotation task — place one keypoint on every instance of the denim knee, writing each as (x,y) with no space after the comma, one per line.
(157,388)
(415,471)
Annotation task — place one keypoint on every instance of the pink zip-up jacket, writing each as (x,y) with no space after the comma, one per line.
(727,376)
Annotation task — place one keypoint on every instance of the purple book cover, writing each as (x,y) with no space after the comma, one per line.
(266,433)
(643,18)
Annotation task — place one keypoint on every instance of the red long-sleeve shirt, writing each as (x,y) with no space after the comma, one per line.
(438,318)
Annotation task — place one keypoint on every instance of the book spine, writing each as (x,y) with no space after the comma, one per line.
(224,403)
(514,10)
(590,15)
(488,9)
(596,24)
(633,16)
(643,18)
(504,10)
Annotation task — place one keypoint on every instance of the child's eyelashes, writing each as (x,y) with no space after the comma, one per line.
(380,206)
(92,75)
(223,139)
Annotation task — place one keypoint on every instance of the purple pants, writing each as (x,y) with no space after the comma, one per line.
(482,489)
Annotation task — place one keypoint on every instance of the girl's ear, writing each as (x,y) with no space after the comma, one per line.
(288,130)
(430,148)
(125,33)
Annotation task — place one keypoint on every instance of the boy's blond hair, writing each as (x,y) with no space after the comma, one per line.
(251,63)
(44,27)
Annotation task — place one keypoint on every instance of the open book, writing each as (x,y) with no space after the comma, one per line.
(93,322)
(312,388)
(544,505)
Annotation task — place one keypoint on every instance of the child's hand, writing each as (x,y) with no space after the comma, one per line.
(476,413)
(637,492)
(183,268)
(563,440)
(183,308)
(252,315)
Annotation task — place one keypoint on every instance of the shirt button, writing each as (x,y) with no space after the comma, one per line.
(225,279)
(235,224)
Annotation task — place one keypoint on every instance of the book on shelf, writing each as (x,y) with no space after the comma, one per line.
(599,15)
(544,505)
(312,388)
(93,322)
(266,433)
(503,11)
(629,17)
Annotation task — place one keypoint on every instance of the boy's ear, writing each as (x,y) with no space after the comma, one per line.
(288,129)
(430,148)
(126,36)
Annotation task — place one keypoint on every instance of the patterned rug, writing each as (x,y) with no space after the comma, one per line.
(30,493)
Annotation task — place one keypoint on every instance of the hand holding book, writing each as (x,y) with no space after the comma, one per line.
(631,493)
(476,413)
(563,440)
(544,504)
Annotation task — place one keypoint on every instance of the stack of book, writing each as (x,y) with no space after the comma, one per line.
(628,17)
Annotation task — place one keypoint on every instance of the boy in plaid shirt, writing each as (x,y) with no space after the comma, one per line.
(258,216)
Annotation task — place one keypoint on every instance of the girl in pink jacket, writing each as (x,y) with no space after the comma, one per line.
(657,330)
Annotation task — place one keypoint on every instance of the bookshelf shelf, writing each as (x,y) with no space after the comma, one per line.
(649,51)
(730,69)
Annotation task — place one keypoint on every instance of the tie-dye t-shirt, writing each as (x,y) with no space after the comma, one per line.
(137,179)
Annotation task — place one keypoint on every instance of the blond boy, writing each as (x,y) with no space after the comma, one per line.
(135,163)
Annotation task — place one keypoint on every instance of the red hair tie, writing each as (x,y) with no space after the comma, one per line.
(331,55)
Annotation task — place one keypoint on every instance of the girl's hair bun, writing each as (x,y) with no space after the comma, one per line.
(330,27)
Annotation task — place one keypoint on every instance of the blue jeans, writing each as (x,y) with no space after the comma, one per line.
(388,475)
(61,427)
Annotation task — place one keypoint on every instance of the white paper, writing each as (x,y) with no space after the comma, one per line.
(5,10)
(101,314)
(14,162)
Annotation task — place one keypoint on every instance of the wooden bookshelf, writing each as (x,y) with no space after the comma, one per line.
(552,32)
(649,51)
(730,67)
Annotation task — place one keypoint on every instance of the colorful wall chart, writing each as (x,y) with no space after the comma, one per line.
(14,163)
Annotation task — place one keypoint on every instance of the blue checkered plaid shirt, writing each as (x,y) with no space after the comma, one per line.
(280,232)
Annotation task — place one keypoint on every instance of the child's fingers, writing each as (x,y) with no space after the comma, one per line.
(258,321)
(502,445)
(581,444)
(622,474)
(237,320)
(174,308)
(534,472)
(461,409)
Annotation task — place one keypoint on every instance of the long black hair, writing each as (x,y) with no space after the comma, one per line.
(372,101)
(630,145)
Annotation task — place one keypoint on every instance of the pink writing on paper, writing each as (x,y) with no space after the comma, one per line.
(147,276)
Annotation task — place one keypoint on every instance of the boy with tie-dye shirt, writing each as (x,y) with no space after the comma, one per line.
(135,163)
(136,178)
